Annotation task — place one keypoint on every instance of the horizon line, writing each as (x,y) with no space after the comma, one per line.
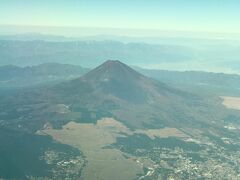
(143,30)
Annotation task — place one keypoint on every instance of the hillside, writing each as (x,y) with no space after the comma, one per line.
(15,76)
(112,89)
(207,83)
(198,82)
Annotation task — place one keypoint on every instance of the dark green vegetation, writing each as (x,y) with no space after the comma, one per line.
(23,155)
(138,141)
(180,159)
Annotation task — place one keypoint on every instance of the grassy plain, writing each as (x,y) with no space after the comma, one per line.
(93,139)
(103,163)
(231,102)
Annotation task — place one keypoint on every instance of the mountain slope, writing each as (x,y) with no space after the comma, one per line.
(118,80)
(111,90)
(14,76)
(205,83)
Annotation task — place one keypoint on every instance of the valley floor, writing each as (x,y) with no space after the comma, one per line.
(113,151)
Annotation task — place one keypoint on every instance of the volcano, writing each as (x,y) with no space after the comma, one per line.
(113,89)
(137,100)
(116,79)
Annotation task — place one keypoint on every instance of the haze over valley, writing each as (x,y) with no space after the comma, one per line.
(178,53)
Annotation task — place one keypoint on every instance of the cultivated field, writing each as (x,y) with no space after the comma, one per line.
(92,140)
(162,133)
(231,102)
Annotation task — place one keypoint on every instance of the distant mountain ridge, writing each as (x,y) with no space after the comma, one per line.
(192,81)
(113,89)
(88,53)
(15,76)
(199,82)
(171,53)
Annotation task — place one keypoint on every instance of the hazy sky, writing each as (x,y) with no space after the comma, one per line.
(165,15)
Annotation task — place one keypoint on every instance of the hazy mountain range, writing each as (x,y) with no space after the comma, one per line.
(112,89)
(191,81)
(15,76)
(172,53)
(88,53)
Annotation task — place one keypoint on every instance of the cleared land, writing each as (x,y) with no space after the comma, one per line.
(231,102)
(163,133)
(93,139)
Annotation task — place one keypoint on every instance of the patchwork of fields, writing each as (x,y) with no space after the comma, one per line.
(104,162)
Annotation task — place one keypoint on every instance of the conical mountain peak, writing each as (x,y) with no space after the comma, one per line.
(115,88)
(112,70)
(115,79)
(112,63)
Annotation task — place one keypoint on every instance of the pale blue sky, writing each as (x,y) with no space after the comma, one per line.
(165,15)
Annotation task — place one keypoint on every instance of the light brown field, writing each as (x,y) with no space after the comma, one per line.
(162,133)
(102,163)
(231,102)
(91,139)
